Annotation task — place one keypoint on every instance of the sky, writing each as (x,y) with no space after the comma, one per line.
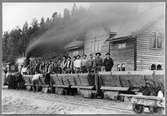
(16,14)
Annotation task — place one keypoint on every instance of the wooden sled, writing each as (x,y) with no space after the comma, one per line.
(139,102)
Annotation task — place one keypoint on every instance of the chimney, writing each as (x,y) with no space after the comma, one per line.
(112,34)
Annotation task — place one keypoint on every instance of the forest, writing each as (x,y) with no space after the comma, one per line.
(16,41)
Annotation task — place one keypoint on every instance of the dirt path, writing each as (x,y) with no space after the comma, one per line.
(23,102)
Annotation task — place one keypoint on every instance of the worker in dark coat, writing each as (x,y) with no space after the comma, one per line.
(68,65)
(20,81)
(98,63)
(108,62)
(148,89)
(89,63)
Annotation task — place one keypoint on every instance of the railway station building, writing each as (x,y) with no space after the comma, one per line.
(138,45)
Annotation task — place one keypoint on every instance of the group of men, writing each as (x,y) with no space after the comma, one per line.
(40,67)
(86,63)
(76,64)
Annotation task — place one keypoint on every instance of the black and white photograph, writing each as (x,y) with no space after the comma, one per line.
(83,58)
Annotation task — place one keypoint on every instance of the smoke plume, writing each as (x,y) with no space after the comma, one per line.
(122,18)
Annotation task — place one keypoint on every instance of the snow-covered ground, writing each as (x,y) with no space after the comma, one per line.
(27,102)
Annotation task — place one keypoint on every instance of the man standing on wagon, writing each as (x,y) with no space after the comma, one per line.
(98,63)
(36,80)
(83,64)
(89,63)
(108,62)
(77,64)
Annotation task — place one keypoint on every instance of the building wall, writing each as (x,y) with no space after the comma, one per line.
(146,54)
(95,42)
(123,55)
(76,52)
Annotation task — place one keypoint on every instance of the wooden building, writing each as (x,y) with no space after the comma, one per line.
(75,48)
(140,50)
(138,45)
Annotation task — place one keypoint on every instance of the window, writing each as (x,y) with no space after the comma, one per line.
(96,45)
(75,53)
(121,45)
(157,40)
(92,46)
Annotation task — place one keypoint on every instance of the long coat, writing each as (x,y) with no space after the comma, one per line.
(108,63)
(98,63)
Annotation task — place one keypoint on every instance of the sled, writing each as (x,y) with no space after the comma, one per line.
(139,102)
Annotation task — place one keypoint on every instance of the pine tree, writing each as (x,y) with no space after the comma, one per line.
(74,9)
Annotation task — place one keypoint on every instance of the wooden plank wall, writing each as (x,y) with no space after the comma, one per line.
(96,34)
(124,55)
(131,78)
(146,55)
(79,51)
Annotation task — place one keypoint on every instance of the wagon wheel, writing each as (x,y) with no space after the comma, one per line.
(155,109)
(138,108)
(28,87)
(151,109)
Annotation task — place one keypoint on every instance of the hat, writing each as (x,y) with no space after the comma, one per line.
(98,53)
(64,56)
(108,53)
(84,55)
(149,82)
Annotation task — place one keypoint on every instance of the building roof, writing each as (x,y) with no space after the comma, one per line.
(134,27)
(74,45)
(120,38)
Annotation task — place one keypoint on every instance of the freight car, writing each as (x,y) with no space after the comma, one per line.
(139,102)
(10,79)
(104,84)
(107,85)
(13,78)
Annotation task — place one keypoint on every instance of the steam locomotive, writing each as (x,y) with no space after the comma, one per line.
(12,77)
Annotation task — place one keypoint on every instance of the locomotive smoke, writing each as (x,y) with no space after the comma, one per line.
(112,16)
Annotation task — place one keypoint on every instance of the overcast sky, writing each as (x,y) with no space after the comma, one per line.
(16,14)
